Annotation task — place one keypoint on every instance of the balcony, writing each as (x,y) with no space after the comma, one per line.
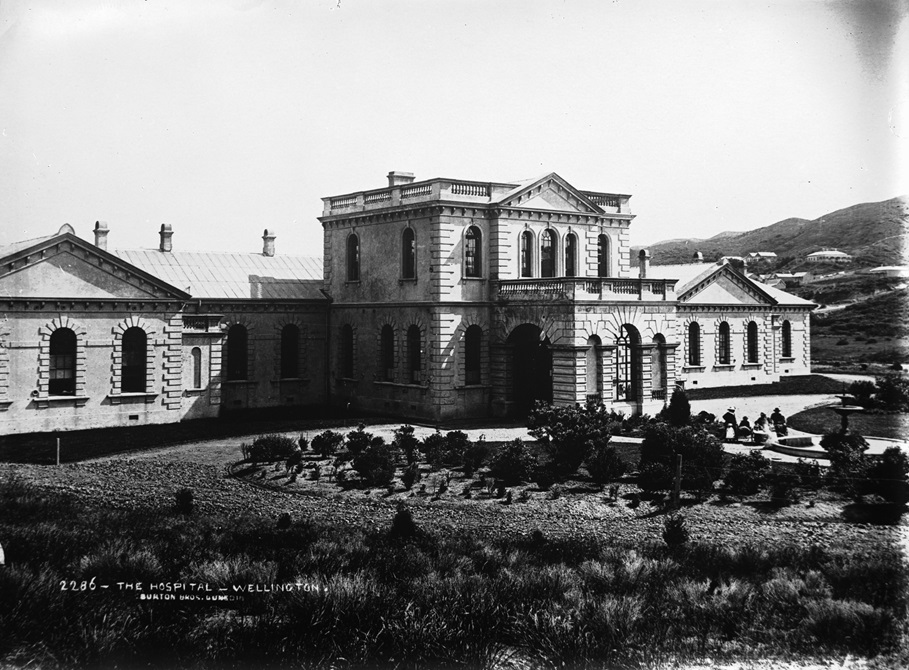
(613,289)
(407,194)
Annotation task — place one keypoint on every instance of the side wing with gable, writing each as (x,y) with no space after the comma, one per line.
(724,287)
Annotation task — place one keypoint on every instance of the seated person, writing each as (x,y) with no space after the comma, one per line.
(778,421)
(745,428)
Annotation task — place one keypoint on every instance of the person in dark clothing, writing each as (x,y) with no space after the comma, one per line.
(731,424)
(778,421)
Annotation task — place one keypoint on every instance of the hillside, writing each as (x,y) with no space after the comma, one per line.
(875,233)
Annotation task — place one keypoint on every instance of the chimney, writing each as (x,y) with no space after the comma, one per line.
(398,178)
(698,257)
(643,263)
(167,244)
(268,242)
(101,232)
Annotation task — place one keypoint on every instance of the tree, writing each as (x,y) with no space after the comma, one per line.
(679,411)
(327,442)
(569,434)
(406,442)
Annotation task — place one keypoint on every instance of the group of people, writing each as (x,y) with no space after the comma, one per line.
(760,432)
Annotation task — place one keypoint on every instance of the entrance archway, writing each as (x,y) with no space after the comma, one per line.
(531,367)
(628,379)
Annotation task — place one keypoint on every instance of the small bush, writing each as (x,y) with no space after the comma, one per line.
(183,501)
(782,488)
(475,456)
(327,443)
(270,448)
(433,447)
(809,474)
(604,465)
(848,470)
(375,464)
(359,440)
(747,474)
(512,463)
(303,442)
(888,476)
(403,527)
(284,521)
(410,476)
(678,413)
(294,460)
(675,530)
(544,476)
(555,492)
(406,443)
(570,433)
(655,477)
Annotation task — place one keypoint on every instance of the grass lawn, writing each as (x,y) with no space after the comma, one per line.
(794,385)
(820,420)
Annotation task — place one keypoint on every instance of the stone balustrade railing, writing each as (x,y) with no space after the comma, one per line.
(586,288)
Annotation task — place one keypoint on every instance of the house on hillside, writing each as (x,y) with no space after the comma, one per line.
(761,256)
(829,256)
(435,299)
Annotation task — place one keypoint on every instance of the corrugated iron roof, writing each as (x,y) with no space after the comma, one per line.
(15,247)
(232,276)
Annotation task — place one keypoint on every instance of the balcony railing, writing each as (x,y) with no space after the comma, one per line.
(585,288)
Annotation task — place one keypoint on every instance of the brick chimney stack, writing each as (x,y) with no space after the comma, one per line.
(167,244)
(101,232)
(399,178)
(268,242)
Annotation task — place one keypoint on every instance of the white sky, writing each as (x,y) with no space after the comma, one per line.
(225,117)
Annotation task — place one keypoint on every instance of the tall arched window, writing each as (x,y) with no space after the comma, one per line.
(722,344)
(473,250)
(414,354)
(290,352)
(132,370)
(752,342)
(237,353)
(387,353)
(196,355)
(62,362)
(571,255)
(694,344)
(353,258)
(527,254)
(347,351)
(547,254)
(473,339)
(602,256)
(594,363)
(408,254)
(787,340)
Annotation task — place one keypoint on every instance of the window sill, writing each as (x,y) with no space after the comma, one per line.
(693,368)
(403,386)
(476,279)
(75,400)
(240,382)
(354,282)
(189,393)
(407,280)
(468,387)
(118,398)
(752,366)
(724,366)
(787,359)
(4,405)
(291,380)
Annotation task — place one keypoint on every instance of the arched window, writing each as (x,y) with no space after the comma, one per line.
(62,362)
(694,344)
(237,353)
(602,256)
(473,250)
(132,370)
(547,254)
(594,363)
(787,340)
(752,342)
(722,344)
(347,351)
(387,353)
(353,258)
(527,254)
(196,355)
(414,354)
(473,338)
(290,352)
(571,255)
(408,254)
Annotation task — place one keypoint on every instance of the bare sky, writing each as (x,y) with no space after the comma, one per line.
(225,117)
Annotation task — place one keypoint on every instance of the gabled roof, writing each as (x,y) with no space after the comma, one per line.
(521,194)
(29,255)
(233,276)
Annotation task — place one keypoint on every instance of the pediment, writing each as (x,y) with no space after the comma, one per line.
(67,267)
(551,193)
(725,287)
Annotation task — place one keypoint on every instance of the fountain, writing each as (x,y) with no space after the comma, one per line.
(845,411)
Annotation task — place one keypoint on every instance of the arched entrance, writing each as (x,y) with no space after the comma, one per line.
(628,379)
(531,368)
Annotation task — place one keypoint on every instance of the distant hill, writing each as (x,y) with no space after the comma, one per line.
(874,232)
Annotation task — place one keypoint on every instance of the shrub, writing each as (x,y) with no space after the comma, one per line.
(782,488)
(433,447)
(862,391)
(544,476)
(303,442)
(893,393)
(183,501)
(269,448)
(809,474)
(512,463)
(678,413)
(403,526)
(407,443)
(284,521)
(359,440)
(410,476)
(675,530)
(701,452)
(456,445)
(327,443)
(604,465)
(294,460)
(747,474)
(655,477)
(375,464)
(848,470)
(475,455)
(888,476)
(570,433)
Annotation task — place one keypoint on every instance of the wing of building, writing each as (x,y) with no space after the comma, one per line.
(436,299)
